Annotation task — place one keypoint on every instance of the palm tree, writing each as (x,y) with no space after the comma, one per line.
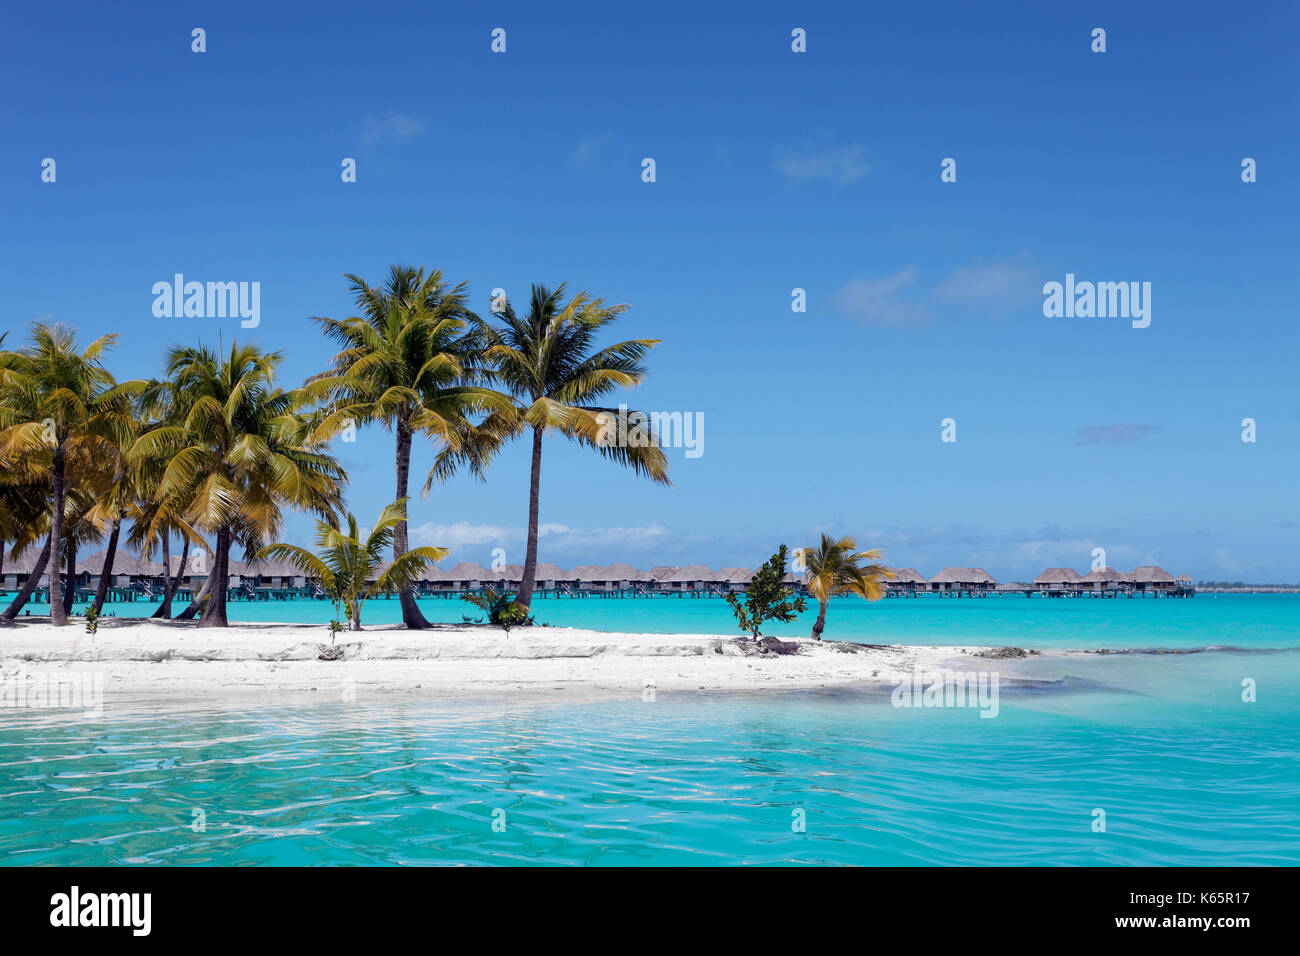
(60,400)
(238,453)
(408,363)
(545,359)
(349,567)
(835,567)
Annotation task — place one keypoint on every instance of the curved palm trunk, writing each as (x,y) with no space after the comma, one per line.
(106,573)
(70,591)
(57,614)
(821,621)
(528,581)
(29,586)
(411,613)
(194,606)
(171,584)
(214,612)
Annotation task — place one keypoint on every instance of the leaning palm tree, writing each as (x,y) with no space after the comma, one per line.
(835,567)
(408,363)
(238,453)
(351,568)
(547,360)
(58,399)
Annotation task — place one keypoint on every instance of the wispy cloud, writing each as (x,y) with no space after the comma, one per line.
(589,150)
(881,301)
(842,165)
(391,127)
(1114,434)
(902,299)
(988,282)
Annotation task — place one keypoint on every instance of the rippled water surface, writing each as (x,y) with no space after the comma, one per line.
(1185,771)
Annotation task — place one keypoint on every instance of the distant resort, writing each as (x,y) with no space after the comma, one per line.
(134,578)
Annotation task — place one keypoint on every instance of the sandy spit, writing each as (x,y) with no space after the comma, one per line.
(171,659)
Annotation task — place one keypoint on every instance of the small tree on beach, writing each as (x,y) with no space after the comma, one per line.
(349,567)
(835,567)
(502,609)
(767,598)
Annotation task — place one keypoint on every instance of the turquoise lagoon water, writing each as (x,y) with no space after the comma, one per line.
(1185,771)
(1248,620)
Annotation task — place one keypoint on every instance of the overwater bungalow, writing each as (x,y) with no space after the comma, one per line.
(962,581)
(626,577)
(660,573)
(693,577)
(1106,581)
(18,569)
(466,576)
(1056,582)
(737,579)
(269,578)
(593,577)
(552,577)
(508,577)
(130,572)
(906,581)
(1152,579)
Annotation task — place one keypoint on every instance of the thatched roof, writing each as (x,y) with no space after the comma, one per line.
(124,562)
(551,572)
(737,575)
(1016,586)
(625,572)
(269,568)
(962,576)
(198,562)
(25,562)
(660,572)
(1183,579)
(1059,576)
(1106,576)
(465,571)
(906,576)
(693,572)
(508,573)
(1151,574)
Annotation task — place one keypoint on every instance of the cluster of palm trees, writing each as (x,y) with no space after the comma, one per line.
(213,453)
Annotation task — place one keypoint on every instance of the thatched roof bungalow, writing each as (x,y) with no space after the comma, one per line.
(737,579)
(628,576)
(906,579)
(1015,587)
(1106,579)
(962,579)
(693,577)
(1058,579)
(1152,577)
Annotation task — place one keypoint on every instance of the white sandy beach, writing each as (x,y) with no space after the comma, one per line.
(165,660)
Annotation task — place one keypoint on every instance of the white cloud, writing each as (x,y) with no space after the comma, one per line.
(842,165)
(391,126)
(879,301)
(991,281)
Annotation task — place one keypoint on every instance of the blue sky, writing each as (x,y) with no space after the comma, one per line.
(775,170)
